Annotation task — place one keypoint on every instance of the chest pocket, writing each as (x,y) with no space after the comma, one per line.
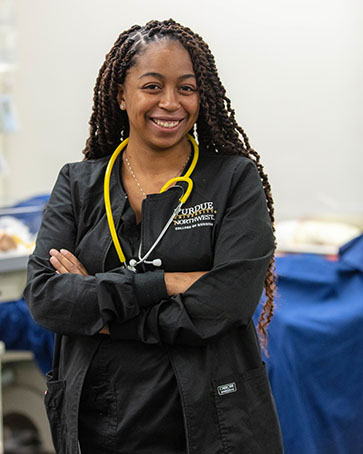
(189,241)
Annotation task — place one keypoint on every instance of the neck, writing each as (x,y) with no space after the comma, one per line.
(156,161)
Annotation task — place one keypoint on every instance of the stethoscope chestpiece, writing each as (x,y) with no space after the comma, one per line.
(157,262)
(133,263)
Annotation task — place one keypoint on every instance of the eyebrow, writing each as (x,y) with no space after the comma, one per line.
(160,76)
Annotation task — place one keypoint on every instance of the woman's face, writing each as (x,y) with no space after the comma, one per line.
(160,95)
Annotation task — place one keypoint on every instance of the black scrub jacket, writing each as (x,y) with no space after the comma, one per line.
(224,228)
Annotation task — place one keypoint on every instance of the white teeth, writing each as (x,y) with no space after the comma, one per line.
(166,124)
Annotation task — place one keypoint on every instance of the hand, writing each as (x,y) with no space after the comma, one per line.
(104,330)
(65,262)
(180,282)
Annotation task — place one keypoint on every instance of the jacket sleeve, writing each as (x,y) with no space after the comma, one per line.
(73,304)
(227,296)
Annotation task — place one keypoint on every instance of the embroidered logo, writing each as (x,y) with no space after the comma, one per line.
(201,215)
(227,388)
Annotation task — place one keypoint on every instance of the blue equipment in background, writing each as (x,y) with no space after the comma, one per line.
(316,351)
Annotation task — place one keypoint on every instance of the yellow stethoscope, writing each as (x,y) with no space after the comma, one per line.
(157,262)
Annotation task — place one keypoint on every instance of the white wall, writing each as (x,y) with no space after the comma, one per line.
(293,69)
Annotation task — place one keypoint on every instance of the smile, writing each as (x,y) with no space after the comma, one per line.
(166,123)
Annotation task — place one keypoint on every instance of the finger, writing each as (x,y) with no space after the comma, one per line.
(67,262)
(69,256)
(58,266)
(75,262)
(63,261)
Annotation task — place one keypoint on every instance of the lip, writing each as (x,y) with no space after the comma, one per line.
(169,119)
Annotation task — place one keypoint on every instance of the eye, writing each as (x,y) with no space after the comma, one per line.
(151,87)
(187,89)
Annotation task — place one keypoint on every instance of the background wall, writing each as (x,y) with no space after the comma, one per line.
(293,69)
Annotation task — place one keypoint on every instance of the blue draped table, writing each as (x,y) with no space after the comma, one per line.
(315,348)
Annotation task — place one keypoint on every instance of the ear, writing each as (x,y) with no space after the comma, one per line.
(120,97)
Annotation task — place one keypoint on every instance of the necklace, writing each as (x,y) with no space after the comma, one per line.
(137,181)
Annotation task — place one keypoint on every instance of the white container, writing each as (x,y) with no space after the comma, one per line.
(20,224)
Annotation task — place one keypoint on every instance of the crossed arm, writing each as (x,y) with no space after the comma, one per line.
(64,262)
(64,298)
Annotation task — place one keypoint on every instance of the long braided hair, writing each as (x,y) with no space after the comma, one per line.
(216,128)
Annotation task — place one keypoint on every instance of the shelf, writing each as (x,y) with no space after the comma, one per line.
(13,263)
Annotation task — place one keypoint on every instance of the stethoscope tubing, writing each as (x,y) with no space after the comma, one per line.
(184,197)
(106,190)
(159,238)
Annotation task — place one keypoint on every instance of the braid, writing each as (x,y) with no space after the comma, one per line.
(108,124)
(216,127)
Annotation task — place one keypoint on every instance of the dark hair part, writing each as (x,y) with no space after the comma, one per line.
(216,128)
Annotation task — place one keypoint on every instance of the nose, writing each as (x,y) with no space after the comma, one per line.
(169,99)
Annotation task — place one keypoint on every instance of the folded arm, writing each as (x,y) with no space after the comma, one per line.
(74,302)
(64,262)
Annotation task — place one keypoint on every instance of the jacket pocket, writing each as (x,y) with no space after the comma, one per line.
(246,414)
(54,404)
(98,417)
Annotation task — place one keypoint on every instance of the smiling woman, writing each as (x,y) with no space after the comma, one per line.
(159,355)
(160,97)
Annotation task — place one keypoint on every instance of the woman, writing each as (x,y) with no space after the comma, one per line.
(159,355)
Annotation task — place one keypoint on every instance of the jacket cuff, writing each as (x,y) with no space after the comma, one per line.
(150,288)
